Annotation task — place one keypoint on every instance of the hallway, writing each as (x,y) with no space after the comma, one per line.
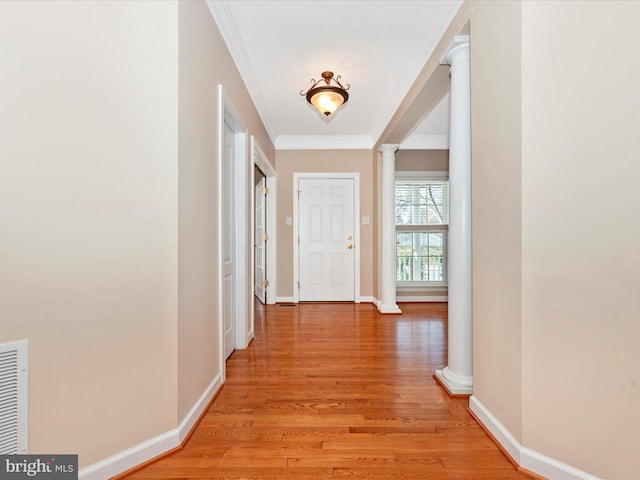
(338,391)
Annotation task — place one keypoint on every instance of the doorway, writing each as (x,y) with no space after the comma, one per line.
(229,274)
(260,281)
(326,237)
(233,230)
(264,263)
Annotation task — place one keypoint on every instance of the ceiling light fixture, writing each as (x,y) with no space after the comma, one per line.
(327,98)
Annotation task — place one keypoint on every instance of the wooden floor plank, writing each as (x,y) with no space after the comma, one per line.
(331,391)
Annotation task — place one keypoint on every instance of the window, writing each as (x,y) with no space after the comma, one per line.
(422,218)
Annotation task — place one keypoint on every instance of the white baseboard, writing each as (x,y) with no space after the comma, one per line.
(132,457)
(368,300)
(422,298)
(145,451)
(550,468)
(533,461)
(499,432)
(190,419)
(284,300)
(376,302)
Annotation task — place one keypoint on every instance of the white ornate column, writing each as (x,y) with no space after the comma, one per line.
(457,377)
(387,256)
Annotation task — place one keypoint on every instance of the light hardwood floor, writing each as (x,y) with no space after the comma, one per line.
(338,391)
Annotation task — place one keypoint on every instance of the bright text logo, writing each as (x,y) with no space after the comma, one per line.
(49,467)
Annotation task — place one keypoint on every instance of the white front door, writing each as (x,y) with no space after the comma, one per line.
(260,240)
(326,245)
(228,243)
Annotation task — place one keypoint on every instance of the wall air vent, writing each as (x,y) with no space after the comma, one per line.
(13,398)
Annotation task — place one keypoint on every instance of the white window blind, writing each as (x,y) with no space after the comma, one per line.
(422,202)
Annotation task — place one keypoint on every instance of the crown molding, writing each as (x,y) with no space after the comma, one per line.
(426,142)
(324,142)
(224,20)
(434,29)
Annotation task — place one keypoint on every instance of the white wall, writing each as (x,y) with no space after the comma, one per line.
(108,150)
(580,257)
(555,123)
(205,63)
(322,161)
(496,215)
(88,218)
(198,328)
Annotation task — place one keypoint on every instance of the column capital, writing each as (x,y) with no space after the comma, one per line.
(459,45)
(389,147)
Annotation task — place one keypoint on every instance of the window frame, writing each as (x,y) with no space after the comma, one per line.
(423,176)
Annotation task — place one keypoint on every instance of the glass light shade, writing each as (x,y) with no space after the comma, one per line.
(327,99)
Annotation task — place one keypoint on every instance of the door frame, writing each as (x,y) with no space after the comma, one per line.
(355,176)
(227,113)
(260,160)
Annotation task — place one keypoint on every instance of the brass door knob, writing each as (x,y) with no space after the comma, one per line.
(350,247)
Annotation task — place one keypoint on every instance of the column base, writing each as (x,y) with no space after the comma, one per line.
(455,385)
(388,308)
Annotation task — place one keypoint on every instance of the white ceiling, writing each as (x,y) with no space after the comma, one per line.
(377,46)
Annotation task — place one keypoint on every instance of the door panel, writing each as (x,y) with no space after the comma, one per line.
(228,245)
(259,287)
(326,228)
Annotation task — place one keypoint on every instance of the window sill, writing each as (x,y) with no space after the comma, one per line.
(405,287)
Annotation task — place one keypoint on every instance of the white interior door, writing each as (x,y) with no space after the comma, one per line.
(260,240)
(326,245)
(228,244)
